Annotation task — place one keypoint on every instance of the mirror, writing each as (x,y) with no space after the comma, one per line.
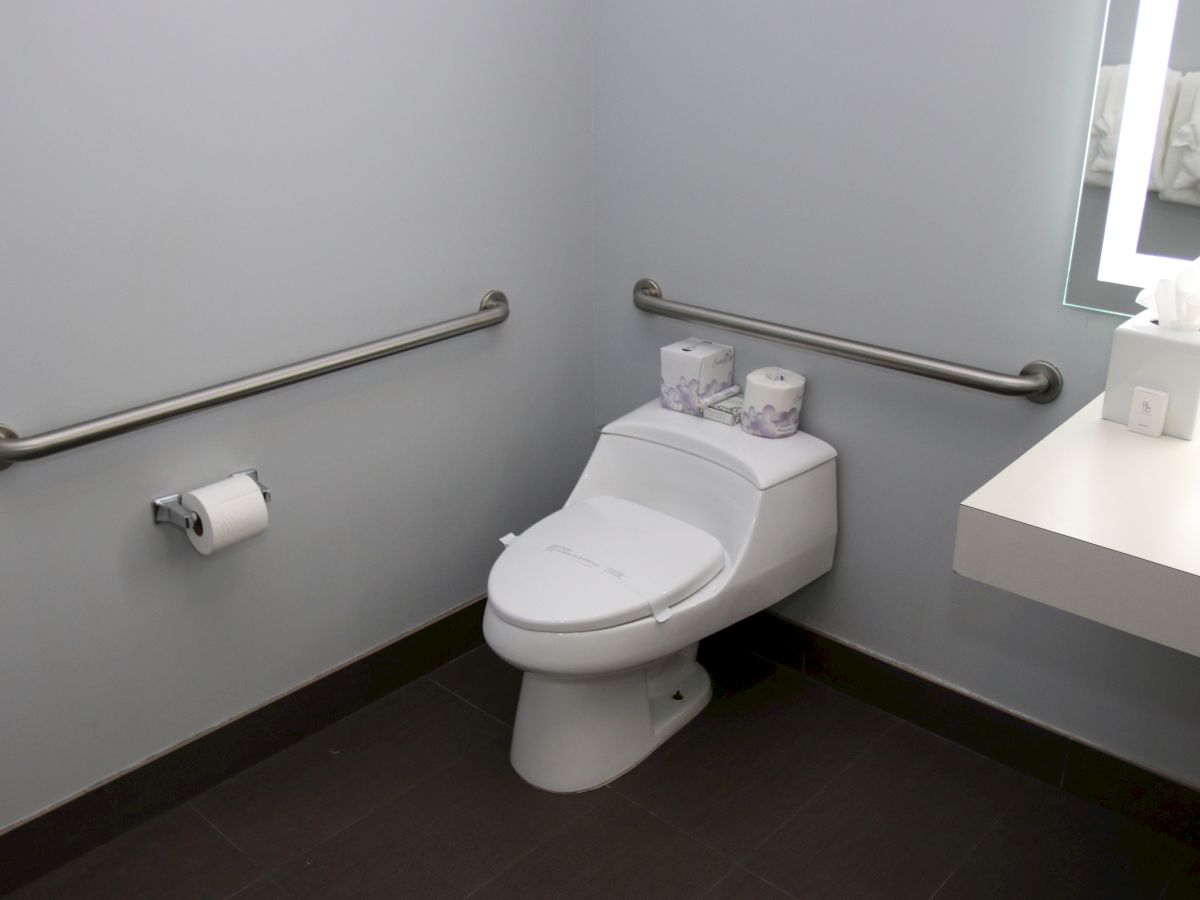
(1139,207)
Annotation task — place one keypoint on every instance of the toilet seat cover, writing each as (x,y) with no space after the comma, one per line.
(601,562)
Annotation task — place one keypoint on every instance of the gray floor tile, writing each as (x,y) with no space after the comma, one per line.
(176,856)
(761,749)
(615,852)
(894,825)
(441,838)
(307,793)
(1185,885)
(1054,845)
(265,889)
(484,679)
(743,885)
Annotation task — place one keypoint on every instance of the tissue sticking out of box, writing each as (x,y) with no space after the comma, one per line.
(692,371)
(1176,302)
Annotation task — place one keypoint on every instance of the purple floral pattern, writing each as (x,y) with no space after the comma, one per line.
(685,396)
(769,423)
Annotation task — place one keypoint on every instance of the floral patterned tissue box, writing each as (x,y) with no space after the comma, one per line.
(692,370)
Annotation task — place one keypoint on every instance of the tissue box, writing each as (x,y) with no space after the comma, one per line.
(694,369)
(1162,359)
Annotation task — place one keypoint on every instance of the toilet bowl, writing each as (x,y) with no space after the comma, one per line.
(678,527)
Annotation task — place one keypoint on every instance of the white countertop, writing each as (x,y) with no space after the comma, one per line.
(1096,520)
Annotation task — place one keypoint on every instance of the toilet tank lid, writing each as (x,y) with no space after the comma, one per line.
(765,462)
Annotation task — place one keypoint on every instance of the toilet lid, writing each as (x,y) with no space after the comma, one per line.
(601,562)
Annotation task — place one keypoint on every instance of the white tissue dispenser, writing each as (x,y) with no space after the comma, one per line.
(692,370)
(1144,354)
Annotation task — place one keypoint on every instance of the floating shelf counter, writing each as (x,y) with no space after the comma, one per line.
(1097,521)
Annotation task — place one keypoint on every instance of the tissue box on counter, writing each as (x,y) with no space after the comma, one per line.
(1146,355)
(692,370)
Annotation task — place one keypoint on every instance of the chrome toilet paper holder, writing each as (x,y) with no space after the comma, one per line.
(170,509)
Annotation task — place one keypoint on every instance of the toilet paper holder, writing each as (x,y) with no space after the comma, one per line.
(170,509)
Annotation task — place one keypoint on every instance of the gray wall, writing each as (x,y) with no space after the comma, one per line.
(195,190)
(903,174)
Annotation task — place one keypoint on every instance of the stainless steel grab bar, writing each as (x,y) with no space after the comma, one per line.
(492,311)
(1039,381)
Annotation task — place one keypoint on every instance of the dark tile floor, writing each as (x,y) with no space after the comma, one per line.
(782,788)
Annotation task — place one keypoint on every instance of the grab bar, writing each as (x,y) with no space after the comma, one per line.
(1039,381)
(492,311)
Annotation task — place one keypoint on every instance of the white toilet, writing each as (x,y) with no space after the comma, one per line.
(678,527)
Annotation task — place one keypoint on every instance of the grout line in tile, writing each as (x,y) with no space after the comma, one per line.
(821,790)
(474,706)
(709,888)
(538,846)
(776,662)
(391,798)
(970,850)
(246,887)
(692,837)
(1175,873)
(740,868)
(777,887)
(674,827)
(213,825)
(279,887)
(258,867)
(1000,816)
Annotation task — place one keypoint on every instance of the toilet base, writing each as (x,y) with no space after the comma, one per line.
(573,734)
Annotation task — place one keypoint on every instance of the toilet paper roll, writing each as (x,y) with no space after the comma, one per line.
(772,402)
(228,511)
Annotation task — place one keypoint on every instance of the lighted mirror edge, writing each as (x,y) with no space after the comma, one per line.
(1067,301)
(1120,263)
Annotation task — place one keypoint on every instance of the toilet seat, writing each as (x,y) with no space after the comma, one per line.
(598,563)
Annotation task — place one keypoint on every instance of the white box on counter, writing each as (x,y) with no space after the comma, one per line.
(1145,355)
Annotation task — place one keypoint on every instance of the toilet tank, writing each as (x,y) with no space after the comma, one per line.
(767,501)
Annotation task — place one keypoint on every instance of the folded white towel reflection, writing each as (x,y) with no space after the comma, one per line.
(1169,102)
(1181,165)
(1106,125)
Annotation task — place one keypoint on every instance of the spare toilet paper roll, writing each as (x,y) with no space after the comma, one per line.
(772,402)
(228,511)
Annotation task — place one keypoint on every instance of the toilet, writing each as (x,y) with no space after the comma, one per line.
(678,527)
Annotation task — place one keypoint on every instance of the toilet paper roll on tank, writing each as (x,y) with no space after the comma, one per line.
(771,402)
(228,511)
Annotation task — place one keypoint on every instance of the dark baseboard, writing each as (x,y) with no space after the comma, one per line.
(1165,805)
(59,835)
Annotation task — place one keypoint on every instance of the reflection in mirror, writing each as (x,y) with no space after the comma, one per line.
(1139,208)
